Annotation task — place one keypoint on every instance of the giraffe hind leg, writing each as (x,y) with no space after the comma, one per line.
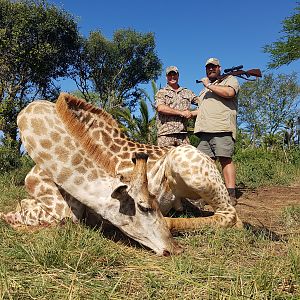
(47,205)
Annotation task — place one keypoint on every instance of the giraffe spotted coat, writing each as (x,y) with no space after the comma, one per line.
(173,173)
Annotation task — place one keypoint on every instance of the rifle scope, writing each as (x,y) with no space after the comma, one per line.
(233,69)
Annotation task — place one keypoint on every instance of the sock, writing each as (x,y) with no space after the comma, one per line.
(231,192)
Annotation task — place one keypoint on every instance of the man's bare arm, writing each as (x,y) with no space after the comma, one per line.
(165,109)
(221,90)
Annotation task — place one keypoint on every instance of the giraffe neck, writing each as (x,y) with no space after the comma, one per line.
(56,152)
(98,131)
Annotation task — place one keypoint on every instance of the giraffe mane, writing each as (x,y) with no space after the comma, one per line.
(66,107)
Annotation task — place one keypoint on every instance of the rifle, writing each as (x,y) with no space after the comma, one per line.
(238,72)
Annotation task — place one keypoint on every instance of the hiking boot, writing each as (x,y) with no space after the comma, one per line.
(233,201)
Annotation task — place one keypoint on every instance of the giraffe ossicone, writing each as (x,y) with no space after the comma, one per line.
(81,153)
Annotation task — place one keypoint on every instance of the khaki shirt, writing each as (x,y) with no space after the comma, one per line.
(217,114)
(180,99)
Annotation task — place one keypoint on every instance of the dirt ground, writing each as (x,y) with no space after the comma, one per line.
(264,207)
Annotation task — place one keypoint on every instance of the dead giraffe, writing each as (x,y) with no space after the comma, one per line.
(173,173)
(75,133)
(66,178)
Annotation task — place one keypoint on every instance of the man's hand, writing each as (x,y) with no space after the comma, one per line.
(186,114)
(223,91)
(164,109)
(194,113)
(205,81)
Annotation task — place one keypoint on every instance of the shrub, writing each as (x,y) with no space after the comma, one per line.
(258,167)
(9,159)
(18,175)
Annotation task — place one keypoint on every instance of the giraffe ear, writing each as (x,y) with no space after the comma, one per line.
(127,203)
(119,190)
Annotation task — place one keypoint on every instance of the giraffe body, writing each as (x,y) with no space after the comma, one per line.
(173,172)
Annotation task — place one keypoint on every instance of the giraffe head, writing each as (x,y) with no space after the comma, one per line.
(139,215)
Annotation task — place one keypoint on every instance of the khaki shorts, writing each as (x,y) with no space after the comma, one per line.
(220,144)
(175,139)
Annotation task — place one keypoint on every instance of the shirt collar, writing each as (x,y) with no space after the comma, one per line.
(171,89)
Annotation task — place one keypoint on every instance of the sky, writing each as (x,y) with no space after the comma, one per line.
(188,32)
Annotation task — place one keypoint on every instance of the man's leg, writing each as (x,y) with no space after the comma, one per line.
(163,141)
(228,169)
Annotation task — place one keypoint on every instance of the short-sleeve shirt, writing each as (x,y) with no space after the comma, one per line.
(180,99)
(217,114)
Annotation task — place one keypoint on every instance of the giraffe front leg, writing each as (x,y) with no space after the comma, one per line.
(27,212)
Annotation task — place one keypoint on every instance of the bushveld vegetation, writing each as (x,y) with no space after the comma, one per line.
(74,261)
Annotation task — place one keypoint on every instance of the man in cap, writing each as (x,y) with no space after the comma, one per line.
(173,105)
(216,120)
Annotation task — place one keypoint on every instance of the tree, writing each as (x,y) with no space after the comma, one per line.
(287,48)
(267,105)
(114,69)
(38,43)
(141,128)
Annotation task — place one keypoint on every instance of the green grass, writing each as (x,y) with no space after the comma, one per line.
(258,167)
(76,262)
(291,216)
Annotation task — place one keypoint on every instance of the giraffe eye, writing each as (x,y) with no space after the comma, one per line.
(144,209)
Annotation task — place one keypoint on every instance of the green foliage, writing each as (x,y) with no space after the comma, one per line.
(267,106)
(140,128)
(287,48)
(194,140)
(91,97)
(260,167)
(14,165)
(10,158)
(116,68)
(17,176)
(38,43)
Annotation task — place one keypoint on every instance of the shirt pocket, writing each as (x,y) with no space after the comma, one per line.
(185,103)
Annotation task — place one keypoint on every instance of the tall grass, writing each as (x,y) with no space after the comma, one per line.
(76,262)
(259,167)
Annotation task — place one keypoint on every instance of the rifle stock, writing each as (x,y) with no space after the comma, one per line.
(240,73)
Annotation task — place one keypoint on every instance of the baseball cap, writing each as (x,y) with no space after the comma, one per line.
(213,61)
(172,69)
